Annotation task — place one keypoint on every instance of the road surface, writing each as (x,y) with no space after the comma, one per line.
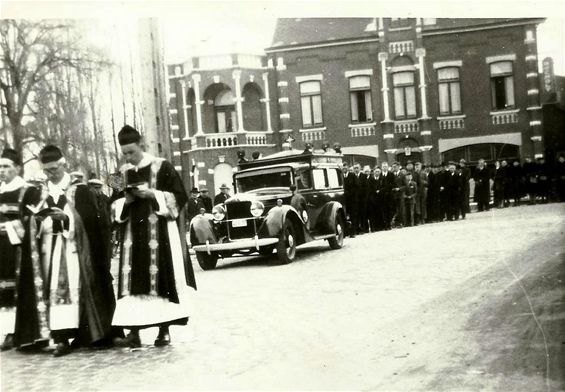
(467,305)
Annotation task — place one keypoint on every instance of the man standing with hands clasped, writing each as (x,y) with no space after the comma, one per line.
(153,277)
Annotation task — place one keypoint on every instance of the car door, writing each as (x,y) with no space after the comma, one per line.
(317,197)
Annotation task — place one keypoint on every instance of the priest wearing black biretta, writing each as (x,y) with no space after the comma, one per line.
(63,257)
(153,275)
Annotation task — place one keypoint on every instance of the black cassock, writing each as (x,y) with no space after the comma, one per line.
(11,234)
(153,275)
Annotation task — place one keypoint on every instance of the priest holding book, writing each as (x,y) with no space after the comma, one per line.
(154,273)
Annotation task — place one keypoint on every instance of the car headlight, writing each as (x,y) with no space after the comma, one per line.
(257,208)
(218,212)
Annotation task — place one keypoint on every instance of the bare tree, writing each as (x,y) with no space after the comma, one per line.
(33,55)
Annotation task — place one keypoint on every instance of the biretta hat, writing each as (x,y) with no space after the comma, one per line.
(13,155)
(50,153)
(128,135)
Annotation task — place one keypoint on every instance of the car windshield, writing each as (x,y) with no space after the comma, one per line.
(265,178)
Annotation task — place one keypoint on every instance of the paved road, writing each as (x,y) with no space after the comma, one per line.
(439,307)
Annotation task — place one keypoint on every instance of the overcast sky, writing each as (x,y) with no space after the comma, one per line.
(220,26)
(196,28)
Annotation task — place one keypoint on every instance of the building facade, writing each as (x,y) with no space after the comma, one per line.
(386,89)
(219,105)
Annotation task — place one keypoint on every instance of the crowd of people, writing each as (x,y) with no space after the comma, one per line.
(56,247)
(384,197)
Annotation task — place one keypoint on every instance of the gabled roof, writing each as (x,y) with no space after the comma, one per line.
(295,32)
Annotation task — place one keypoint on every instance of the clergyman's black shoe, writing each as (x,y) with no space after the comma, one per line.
(132,341)
(62,348)
(8,342)
(163,339)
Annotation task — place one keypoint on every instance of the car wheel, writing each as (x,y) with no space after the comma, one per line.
(337,241)
(266,250)
(207,261)
(286,247)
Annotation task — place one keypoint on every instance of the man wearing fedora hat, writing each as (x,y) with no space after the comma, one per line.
(194,205)
(223,195)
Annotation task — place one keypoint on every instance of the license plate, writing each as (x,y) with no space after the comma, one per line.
(239,223)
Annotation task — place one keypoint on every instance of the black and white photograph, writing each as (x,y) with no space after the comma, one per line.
(282,195)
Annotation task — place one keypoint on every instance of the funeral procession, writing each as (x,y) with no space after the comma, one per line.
(227,196)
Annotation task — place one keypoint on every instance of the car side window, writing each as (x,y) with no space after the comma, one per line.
(303,179)
(334,178)
(319,178)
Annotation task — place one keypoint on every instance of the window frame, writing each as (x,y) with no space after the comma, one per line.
(324,176)
(449,82)
(310,101)
(492,84)
(365,91)
(405,106)
(399,23)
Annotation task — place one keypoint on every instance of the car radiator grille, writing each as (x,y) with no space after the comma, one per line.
(240,210)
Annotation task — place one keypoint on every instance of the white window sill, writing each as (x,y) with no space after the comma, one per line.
(408,120)
(508,111)
(312,129)
(360,125)
(454,117)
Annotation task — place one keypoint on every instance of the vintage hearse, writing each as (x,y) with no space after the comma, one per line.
(259,217)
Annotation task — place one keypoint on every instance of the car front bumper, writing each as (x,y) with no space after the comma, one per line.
(235,245)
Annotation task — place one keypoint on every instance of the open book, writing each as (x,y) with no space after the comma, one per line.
(136,186)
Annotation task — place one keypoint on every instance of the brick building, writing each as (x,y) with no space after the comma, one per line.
(218,105)
(384,88)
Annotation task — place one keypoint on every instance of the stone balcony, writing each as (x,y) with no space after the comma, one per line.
(401,46)
(217,140)
(451,122)
(313,134)
(256,138)
(504,116)
(227,140)
(362,130)
(406,126)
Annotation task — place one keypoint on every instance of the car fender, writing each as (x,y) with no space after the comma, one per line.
(278,215)
(326,219)
(202,230)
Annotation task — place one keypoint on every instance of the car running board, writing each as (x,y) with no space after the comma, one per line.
(323,236)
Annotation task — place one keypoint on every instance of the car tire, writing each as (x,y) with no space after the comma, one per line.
(336,242)
(207,261)
(286,247)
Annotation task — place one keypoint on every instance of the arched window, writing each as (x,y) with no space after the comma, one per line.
(226,119)
(404,95)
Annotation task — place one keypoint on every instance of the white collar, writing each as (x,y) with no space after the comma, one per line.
(146,160)
(11,186)
(56,190)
